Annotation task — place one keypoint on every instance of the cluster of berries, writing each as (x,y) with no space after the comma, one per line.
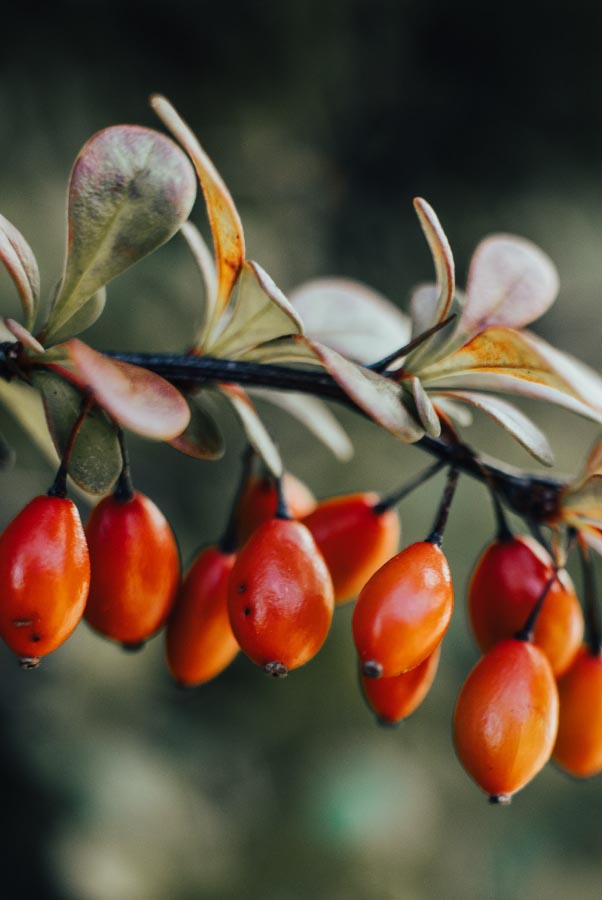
(274,598)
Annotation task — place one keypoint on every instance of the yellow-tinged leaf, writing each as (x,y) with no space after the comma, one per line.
(18,257)
(255,430)
(131,189)
(224,220)
(136,398)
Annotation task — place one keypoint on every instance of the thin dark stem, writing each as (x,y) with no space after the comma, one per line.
(59,485)
(592,614)
(282,508)
(124,489)
(504,532)
(436,535)
(399,495)
(228,542)
(526,632)
(384,363)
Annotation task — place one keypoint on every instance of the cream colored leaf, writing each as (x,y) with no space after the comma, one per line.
(206,266)
(255,430)
(426,411)
(22,266)
(442,258)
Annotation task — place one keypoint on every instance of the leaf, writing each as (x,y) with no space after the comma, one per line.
(25,405)
(24,336)
(379,397)
(423,304)
(426,411)
(261,313)
(516,423)
(95,462)
(131,188)
(22,266)
(315,415)
(202,437)
(583,503)
(255,430)
(85,316)
(136,398)
(206,266)
(456,412)
(442,258)
(224,220)
(351,318)
(508,361)
(291,349)
(511,282)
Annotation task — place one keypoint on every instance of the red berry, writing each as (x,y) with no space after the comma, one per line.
(45,576)
(354,539)
(199,639)
(579,743)
(394,699)
(506,718)
(280,596)
(403,612)
(507,580)
(259,502)
(135,569)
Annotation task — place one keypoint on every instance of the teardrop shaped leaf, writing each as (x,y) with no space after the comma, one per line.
(516,423)
(136,398)
(261,313)
(426,411)
(95,462)
(131,189)
(350,317)
(379,397)
(85,316)
(206,266)
(224,220)
(255,430)
(22,266)
(202,437)
(511,282)
(315,416)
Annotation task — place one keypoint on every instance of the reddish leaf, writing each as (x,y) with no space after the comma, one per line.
(22,334)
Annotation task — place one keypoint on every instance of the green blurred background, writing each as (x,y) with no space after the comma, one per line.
(325,119)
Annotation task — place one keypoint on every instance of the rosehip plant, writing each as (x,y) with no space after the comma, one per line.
(272,583)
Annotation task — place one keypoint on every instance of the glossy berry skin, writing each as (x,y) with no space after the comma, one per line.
(280,596)
(579,743)
(135,569)
(354,540)
(508,579)
(199,639)
(394,699)
(403,612)
(506,718)
(259,501)
(44,576)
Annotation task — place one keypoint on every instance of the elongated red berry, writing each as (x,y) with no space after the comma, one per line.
(199,639)
(280,596)
(355,539)
(44,577)
(506,718)
(135,569)
(259,501)
(403,612)
(394,699)
(579,743)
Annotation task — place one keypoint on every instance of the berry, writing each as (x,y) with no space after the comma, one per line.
(403,612)
(135,569)
(199,639)
(280,596)
(45,577)
(259,502)
(506,718)
(505,585)
(394,699)
(354,538)
(579,743)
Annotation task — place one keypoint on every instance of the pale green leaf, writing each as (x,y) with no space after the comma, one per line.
(85,316)
(131,189)
(255,430)
(25,405)
(18,257)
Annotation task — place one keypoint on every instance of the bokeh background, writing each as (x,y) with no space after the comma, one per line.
(325,118)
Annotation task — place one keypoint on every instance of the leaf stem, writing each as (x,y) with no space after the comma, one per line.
(436,535)
(397,496)
(124,490)
(228,542)
(592,613)
(58,487)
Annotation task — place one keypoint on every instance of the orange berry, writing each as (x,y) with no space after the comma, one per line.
(280,596)
(135,569)
(403,612)
(259,502)
(394,699)
(507,580)
(45,577)
(579,743)
(199,639)
(354,540)
(506,718)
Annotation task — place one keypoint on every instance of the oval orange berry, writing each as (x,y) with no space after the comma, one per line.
(394,699)
(403,612)
(579,743)
(135,569)
(506,718)
(354,538)
(280,596)
(199,639)
(45,577)
(259,502)
(505,585)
